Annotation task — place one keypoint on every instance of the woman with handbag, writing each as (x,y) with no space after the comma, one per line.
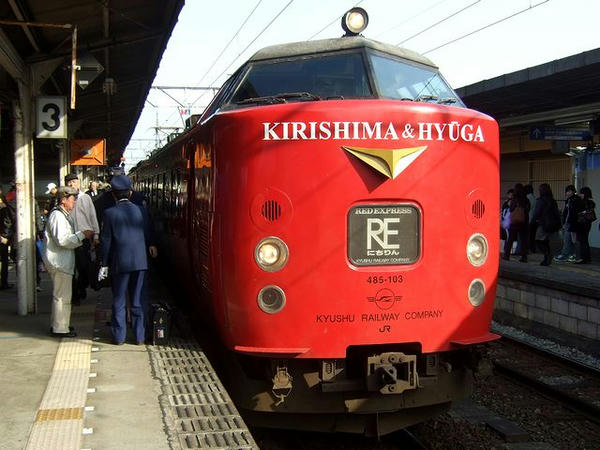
(519,223)
(547,218)
(585,219)
(505,216)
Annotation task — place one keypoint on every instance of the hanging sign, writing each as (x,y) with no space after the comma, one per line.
(88,152)
(51,117)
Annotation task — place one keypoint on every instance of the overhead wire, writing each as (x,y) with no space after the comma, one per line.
(439,22)
(220,54)
(246,48)
(485,27)
(410,18)
(230,41)
(238,55)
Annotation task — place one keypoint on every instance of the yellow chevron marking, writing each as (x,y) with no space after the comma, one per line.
(390,162)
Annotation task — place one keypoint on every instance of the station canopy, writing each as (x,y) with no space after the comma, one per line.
(565,91)
(119,47)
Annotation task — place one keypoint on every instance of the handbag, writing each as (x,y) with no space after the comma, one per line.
(587,216)
(517,216)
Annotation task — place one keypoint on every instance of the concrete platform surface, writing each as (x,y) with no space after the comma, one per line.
(87,393)
(121,407)
(112,397)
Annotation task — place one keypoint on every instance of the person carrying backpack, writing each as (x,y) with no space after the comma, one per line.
(547,217)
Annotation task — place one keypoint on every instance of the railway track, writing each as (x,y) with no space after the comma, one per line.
(574,384)
(274,439)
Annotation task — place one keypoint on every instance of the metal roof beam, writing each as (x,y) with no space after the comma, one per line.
(102,44)
(562,113)
(11,60)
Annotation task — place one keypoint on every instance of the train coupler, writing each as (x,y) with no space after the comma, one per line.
(392,373)
(282,384)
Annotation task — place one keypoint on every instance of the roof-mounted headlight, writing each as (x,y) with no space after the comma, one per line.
(355,21)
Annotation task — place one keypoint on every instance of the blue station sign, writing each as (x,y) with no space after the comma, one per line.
(541,132)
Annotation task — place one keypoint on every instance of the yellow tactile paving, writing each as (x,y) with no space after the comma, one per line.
(73,354)
(44,415)
(56,435)
(59,420)
(66,389)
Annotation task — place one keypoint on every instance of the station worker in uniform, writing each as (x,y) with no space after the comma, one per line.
(125,242)
(61,240)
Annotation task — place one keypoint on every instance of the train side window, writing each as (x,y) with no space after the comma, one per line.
(163,191)
(178,187)
(155,191)
(172,194)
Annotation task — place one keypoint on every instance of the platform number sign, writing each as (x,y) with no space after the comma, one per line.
(51,117)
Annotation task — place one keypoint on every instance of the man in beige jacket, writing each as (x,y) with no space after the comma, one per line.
(61,239)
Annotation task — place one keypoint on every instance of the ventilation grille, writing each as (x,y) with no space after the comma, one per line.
(271,210)
(478,209)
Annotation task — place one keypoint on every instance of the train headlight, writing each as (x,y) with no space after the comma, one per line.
(355,21)
(271,254)
(477,249)
(476,292)
(271,299)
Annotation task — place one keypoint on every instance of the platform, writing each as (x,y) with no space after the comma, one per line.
(86,393)
(583,279)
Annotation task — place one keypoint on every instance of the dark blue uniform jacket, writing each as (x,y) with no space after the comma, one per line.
(124,238)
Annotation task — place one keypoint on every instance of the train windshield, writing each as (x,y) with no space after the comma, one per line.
(332,76)
(400,80)
(339,75)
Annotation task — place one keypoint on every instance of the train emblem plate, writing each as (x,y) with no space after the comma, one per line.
(384,234)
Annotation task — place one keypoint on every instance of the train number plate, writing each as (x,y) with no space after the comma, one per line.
(383,235)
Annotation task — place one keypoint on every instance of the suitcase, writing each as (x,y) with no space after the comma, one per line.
(161,323)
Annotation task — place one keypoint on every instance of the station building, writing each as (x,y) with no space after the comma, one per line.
(74,77)
(549,118)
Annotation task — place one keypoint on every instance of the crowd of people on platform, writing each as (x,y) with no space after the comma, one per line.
(533,222)
(83,238)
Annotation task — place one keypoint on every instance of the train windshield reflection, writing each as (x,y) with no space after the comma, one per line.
(331,76)
(402,81)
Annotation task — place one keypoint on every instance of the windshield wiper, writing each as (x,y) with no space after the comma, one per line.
(298,95)
(280,98)
(426,98)
(270,100)
(447,100)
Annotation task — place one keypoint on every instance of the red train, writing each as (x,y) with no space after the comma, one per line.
(336,209)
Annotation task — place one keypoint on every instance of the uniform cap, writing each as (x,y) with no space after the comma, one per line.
(65,191)
(120,183)
(50,187)
(70,177)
